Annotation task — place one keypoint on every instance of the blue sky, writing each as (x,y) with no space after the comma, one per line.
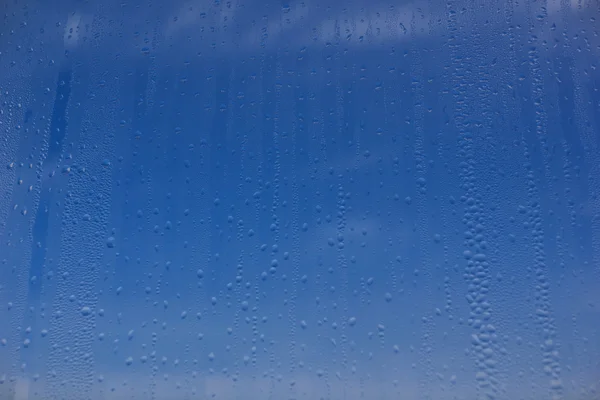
(215,200)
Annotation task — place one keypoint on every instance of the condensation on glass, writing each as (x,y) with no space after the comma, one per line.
(300,200)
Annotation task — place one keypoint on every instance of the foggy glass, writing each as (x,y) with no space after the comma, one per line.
(340,200)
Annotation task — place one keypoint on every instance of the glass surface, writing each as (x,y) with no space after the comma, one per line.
(300,200)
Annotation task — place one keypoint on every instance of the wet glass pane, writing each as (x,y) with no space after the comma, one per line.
(334,200)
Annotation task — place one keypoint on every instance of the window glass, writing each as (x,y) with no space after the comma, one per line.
(299,200)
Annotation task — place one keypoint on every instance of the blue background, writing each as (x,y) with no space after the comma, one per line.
(303,200)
